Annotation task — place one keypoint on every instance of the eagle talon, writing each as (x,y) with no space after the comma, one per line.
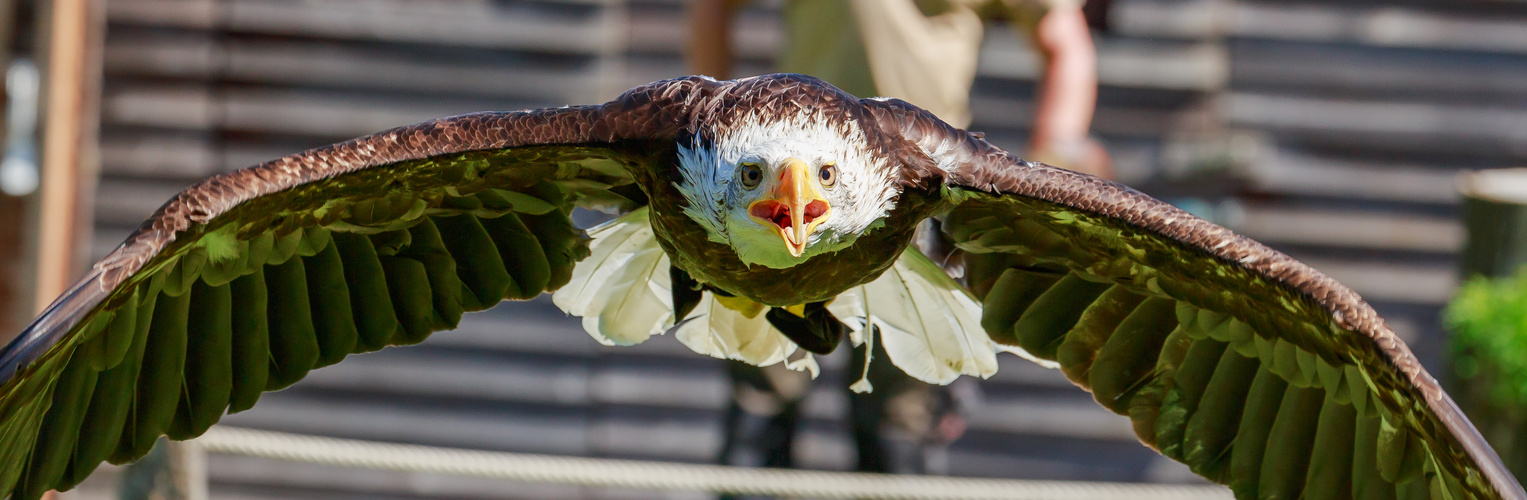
(686,292)
(818,331)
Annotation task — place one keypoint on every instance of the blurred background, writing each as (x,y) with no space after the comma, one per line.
(1330,130)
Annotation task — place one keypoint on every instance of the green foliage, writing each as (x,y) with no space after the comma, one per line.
(1488,321)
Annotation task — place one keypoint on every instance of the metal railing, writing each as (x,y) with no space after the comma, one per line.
(613,473)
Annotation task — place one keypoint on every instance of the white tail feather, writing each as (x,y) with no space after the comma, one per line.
(714,330)
(634,307)
(930,326)
(621,289)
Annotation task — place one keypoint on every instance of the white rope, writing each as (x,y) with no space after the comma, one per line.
(602,472)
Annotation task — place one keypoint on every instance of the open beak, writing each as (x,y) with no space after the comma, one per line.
(795,207)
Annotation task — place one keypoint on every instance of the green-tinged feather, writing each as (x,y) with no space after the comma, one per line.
(445,286)
(1012,294)
(1330,471)
(314,240)
(561,243)
(408,284)
(227,256)
(1127,360)
(525,257)
(250,325)
(283,248)
(478,263)
(118,336)
(113,400)
(60,429)
(1286,460)
(1367,483)
(1187,389)
(186,271)
(1211,429)
(159,383)
(93,348)
(329,301)
(1080,347)
(370,303)
(1145,407)
(1257,418)
(1043,325)
(209,361)
(293,339)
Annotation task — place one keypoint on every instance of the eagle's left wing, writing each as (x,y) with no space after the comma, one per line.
(1252,368)
(246,281)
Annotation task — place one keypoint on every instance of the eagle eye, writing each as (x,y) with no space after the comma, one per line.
(828,174)
(752,175)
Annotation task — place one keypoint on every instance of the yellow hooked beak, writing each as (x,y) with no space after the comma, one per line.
(794,207)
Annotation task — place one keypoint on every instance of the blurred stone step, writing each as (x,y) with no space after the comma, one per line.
(1380,124)
(571,29)
(331,116)
(1296,173)
(1134,120)
(564,381)
(1323,68)
(349,65)
(1278,223)
(1122,62)
(1394,26)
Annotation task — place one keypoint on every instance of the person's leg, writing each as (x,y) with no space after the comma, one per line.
(906,425)
(763,415)
(865,416)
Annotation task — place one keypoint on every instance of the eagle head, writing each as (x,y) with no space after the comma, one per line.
(781,182)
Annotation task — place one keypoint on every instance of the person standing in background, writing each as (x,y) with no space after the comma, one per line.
(924,52)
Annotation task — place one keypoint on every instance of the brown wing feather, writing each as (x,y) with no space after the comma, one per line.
(644,113)
(1281,297)
(332,228)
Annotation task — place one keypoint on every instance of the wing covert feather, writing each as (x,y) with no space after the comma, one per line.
(312,244)
(1298,325)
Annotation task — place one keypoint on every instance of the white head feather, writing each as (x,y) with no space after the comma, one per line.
(862,195)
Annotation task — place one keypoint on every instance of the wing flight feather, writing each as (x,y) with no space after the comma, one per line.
(1155,311)
(246,281)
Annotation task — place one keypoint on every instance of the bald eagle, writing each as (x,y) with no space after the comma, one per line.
(763,220)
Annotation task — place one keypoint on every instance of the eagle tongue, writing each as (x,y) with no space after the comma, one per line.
(818,331)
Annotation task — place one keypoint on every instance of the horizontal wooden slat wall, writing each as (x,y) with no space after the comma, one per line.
(1330,130)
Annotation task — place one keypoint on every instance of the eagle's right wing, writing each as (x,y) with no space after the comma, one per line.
(244,282)
(1250,367)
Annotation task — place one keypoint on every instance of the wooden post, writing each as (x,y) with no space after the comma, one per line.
(69,156)
(14,217)
(76,33)
(1495,214)
(173,470)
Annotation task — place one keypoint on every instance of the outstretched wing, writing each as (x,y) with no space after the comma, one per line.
(244,282)
(1253,369)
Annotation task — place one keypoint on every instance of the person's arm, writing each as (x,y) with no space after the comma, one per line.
(710,38)
(1067,94)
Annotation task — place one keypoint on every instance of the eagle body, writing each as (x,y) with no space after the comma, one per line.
(746,212)
(817,279)
(820,278)
(751,112)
